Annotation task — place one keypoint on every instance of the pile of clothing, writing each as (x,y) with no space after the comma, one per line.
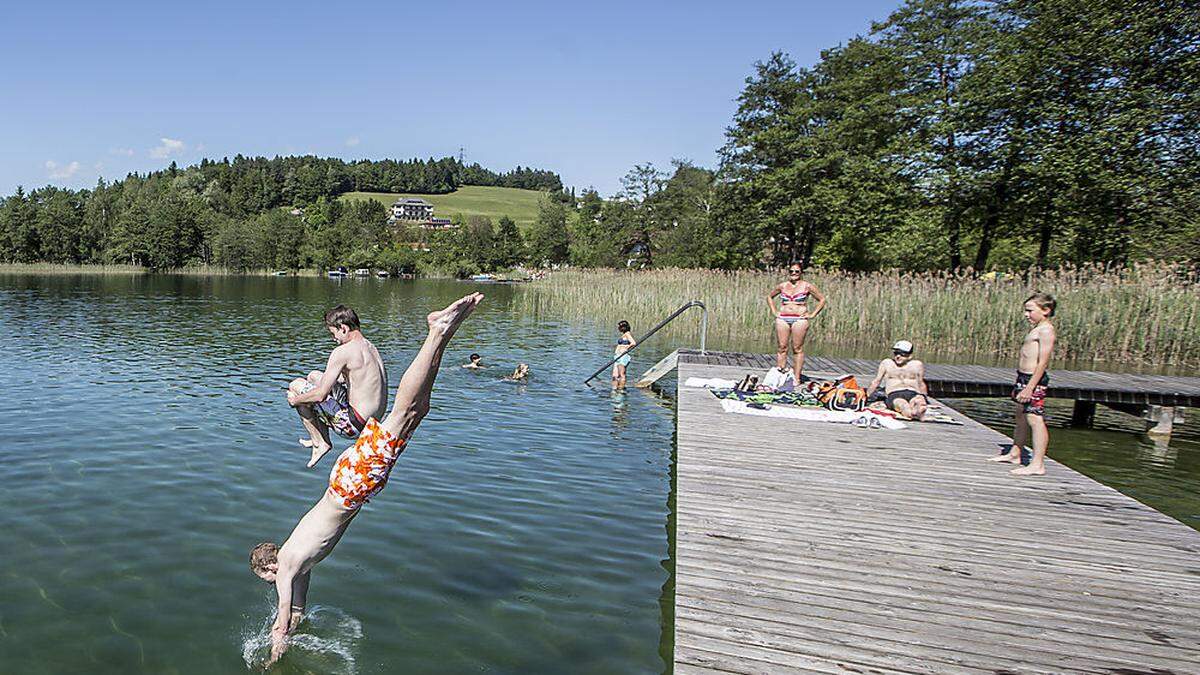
(842,393)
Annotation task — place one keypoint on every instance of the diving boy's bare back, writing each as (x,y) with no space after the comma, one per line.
(359,473)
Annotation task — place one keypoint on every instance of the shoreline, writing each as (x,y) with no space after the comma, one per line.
(953,318)
(88,268)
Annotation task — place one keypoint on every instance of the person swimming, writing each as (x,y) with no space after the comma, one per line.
(520,374)
(475,363)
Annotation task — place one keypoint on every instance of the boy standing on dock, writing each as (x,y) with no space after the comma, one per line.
(1029,391)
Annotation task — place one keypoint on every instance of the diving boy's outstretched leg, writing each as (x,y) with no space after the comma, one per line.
(412,396)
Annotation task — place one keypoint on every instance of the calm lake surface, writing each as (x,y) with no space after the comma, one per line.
(150,445)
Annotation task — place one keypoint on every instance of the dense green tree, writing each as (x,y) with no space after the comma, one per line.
(549,242)
(59,222)
(477,242)
(509,246)
(687,204)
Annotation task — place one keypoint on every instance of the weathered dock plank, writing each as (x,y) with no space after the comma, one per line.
(817,547)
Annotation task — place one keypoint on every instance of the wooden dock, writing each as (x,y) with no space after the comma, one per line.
(983,381)
(819,547)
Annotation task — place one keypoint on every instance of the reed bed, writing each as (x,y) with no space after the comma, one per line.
(1145,315)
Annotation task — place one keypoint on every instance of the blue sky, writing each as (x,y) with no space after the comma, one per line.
(585,89)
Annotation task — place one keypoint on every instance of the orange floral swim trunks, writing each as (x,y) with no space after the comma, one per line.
(360,472)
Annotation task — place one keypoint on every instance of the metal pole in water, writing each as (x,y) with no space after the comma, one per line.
(686,306)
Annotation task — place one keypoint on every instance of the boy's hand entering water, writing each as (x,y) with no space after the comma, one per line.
(278,643)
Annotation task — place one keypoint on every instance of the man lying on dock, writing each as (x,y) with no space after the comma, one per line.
(351,389)
(903,380)
(360,473)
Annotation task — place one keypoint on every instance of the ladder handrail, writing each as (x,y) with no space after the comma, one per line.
(686,306)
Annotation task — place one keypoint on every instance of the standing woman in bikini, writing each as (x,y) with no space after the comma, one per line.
(792,317)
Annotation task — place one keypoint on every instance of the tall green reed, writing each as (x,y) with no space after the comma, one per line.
(1145,315)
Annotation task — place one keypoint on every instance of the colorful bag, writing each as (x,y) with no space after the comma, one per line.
(842,394)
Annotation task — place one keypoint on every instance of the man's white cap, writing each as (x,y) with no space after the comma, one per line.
(903,346)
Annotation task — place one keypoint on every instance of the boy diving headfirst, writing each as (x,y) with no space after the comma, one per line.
(359,473)
(351,389)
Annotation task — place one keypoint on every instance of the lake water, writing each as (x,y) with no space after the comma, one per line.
(148,445)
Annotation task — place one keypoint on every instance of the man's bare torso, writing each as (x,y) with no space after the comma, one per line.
(896,378)
(365,378)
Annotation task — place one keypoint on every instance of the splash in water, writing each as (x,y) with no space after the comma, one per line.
(325,642)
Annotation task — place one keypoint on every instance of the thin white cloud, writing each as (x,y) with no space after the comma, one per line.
(352,141)
(127,152)
(56,171)
(168,147)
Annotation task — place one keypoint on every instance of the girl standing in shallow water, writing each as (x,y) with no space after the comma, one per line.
(792,317)
(624,344)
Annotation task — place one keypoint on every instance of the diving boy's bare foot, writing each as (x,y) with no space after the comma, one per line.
(1028,471)
(318,451)
(446,321)
(1010,457)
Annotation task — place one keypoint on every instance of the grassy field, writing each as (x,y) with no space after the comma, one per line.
(471,200)
(1146,316)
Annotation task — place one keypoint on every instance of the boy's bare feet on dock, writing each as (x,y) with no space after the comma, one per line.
(318,451)
(446,321)
(1029,471)
(1010,457)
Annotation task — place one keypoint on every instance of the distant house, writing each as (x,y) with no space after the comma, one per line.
(412,209)
(437,224)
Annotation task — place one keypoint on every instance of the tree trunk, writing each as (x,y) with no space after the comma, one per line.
(1045,230)
(995,209)
(806,249)
(950,222)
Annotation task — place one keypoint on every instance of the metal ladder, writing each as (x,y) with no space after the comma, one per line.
(673,357)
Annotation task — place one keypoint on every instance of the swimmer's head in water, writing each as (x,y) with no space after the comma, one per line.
(475,357)
(264,561)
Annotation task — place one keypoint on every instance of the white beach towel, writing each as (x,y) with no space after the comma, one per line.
(810,414)
(709,383)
